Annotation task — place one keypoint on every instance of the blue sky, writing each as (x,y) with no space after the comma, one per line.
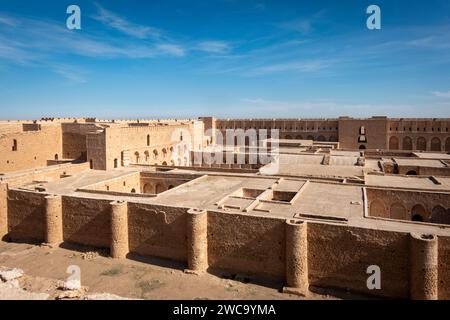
(228,58)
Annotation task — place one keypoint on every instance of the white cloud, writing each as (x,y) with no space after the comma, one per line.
(440,94)
(219,47)
(172,49)
(121,24)
(294,66)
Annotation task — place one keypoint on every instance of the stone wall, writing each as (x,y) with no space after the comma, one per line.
(26,216)
(86,221)
(157,231)
(30,149)
(246,244)
(304,254)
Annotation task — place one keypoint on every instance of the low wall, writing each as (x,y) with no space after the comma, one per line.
(157,231)
(86,221)
(26,216)
(246,244)
(302,253)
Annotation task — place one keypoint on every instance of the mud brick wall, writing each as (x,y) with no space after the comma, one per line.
(246,244)
(444,268)
(26,216)
(157,231)
(87,221)
(338,256)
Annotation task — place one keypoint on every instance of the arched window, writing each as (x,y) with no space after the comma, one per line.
(133,190)
(56,157)
(148,140)
(116,163)
(91,164)
(14,146)
(362,130)
(136,156)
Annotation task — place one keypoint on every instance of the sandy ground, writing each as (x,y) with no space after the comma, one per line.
(45,269)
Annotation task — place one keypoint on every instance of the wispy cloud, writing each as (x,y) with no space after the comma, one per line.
(440,94)
(72,74)
(294,66)
(171,49)
(125,26)
(219,47)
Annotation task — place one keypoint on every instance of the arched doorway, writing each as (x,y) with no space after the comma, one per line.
(56,157)
(407,143)
(447,144)
(418,213)
(440,215)
(421,144)
(299,137)
(435,144)
(133,190)
(393,143)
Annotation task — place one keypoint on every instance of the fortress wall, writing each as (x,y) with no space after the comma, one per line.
(308,253)
(401,204)
(123,184)
(26,216)
(33,148)
(158,231)
(52,173)
(444,268)
(246,244)
(340,255)
(86,221)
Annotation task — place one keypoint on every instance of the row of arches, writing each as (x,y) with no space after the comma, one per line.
(156,188)
(420,143)
(438,214)
(311,137)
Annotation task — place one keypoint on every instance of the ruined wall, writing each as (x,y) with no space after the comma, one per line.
(157,231)
(314,129)
(124,184)
(52,173)
(87,221)
(30,149)
(444,268)
(419,134)
(321,254)
(339,256)
(403,205)
(246,244)
(74,137)
(26,216)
